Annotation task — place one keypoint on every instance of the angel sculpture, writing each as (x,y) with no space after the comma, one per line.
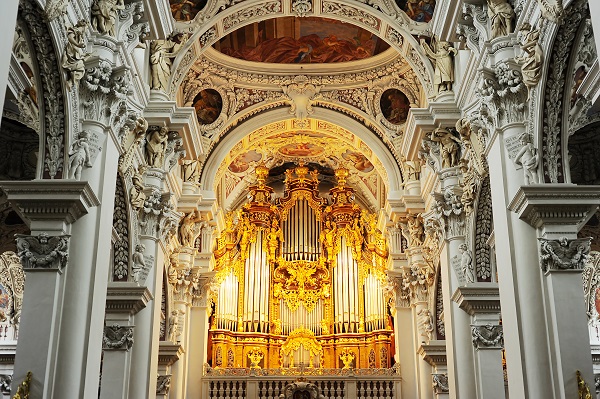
(42,251)
(563,254)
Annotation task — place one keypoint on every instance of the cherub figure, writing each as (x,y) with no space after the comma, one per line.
(79,155)
(528,158)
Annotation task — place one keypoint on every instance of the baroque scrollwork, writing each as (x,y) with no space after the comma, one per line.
(43,251)
(563,254)
(117,337)
(487,336)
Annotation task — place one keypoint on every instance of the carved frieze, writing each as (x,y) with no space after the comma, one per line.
(563,254)
(117,337)
(43,251)
(260,10)
(488,336)
(440,383)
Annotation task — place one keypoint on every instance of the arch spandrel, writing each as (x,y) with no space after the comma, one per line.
(393,28)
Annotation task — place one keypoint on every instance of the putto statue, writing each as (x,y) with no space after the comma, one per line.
(466,263)
(448,146)
(442,57)
(79,155)
(72,58)
(104,15)
(501,15)
(528,158)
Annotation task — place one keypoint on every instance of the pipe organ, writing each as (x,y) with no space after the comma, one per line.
(300,279)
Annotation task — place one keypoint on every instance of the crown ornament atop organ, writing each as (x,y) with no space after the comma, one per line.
(299,261)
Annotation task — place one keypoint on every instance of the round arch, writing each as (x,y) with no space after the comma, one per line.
(204,32)
(220,151)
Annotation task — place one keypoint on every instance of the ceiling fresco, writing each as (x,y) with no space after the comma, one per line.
(186,10)
(292,40)
(282,143)
(417,10)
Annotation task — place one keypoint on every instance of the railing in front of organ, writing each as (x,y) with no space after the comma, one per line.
(228,384)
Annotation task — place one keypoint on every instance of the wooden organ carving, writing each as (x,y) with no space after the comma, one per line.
(300,279)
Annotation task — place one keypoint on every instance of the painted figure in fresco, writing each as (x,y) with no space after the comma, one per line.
(395,106)
(208,105)
(186,10)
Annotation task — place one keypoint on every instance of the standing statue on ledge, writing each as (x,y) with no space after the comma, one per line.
(441,57)
(449,146)
(501,15)
(156,145)
(188,231)
(528,158)
(190,170)
(533,58)
(72,58)
(274,237)
(161,53)
(104,15)
(79,155)
(466,263)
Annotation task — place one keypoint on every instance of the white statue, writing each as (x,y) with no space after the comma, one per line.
(190,170)
(104,15)
(528,158)
(188,230)
(426,324)
(501,15)
(137,197)
(156,145)
(138,267)
(161,53)
(174,326)
(533,56)
(466,263)
(72,58)
(448,146)
(444,64)
(79,155)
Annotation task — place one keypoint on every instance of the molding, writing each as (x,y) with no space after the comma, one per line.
(434,353)
(126,298)
(169,353)
(478,298)
(555,204)
(50,200)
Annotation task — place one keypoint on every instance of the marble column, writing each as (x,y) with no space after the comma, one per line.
(434,353)
(123,301)
(449,216)
(8,21)
(481,301)
(422,337)
(557,212)
(51,207)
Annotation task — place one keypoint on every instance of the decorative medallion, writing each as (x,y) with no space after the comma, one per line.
(208,104)
(394,106)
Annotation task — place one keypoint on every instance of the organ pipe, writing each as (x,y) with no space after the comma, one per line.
(299,264)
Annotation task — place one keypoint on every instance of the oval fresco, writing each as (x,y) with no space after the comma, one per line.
(359,161)
(241,163)
(186,10)
(208,104)
(292,40)
(301,150)
(394,106)
(417,10)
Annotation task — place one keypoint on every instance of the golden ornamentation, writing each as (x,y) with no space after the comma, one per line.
(301,337)
(273,239)
(325,327)
(582,387)
(255,356)
(347,357)
(23,388)
(301,282)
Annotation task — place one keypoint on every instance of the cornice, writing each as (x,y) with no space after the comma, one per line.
(50,200)
(433,353)
(478,298)
(126,298)
(555,204)
(169,353)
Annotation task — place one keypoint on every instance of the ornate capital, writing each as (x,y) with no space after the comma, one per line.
(117,337)
(564,254)
(43,251)
(440,383)
(163,384)
(489,336)
(447,215)
(157,216)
